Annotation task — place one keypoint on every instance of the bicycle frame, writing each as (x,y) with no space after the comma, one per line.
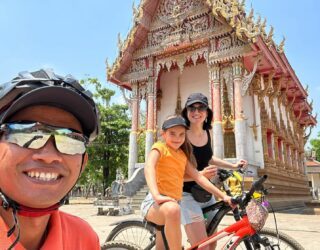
(222,208)
(238,231)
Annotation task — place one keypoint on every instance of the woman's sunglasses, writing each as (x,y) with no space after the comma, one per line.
(35,135)
(199,108)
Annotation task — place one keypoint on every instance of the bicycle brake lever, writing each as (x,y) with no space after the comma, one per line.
(266,190)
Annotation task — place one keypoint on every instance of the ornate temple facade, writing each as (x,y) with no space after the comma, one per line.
(261,111)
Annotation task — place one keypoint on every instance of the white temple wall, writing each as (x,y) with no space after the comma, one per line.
(193,79)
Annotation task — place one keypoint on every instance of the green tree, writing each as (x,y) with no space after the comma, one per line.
(315,143)
(109,151)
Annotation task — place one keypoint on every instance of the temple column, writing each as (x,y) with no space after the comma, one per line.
(216,106)
(276,151)
(302,163)
(285,155)
(133,145)
(150,116)
(289,157)
(264,143)
(240,123)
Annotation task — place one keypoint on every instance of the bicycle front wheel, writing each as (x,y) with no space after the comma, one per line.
(136,232)
(271,240)
(283,242)
(119,245)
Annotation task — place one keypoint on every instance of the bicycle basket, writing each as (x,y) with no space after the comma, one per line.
(257,214)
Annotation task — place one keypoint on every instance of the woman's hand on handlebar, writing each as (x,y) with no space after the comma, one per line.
(209,171)
(242,164)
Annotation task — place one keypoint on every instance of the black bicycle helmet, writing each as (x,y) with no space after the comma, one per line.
(44,87)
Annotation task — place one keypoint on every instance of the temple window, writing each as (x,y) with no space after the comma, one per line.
(229,145)
(228,125)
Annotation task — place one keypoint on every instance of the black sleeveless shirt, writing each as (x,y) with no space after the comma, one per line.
(203,155)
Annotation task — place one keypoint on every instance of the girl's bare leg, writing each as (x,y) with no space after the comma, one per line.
(168,214)
(196,232)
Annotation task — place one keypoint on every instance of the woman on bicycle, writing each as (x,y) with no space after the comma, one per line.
(167,164)
(198,116)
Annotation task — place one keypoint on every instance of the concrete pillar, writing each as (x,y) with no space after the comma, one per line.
(150,115)
(133,145)
(240,124)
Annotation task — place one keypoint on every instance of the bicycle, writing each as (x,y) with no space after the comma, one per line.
(143,233)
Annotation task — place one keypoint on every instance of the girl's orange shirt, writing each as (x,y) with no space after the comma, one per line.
(170,170)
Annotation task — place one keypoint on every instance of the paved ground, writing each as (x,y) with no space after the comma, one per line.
(305,228)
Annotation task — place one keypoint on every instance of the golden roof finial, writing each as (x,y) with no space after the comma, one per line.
(107,63)
(281,45)
(251,14)
(120,43)
(258,22)
(257,25)
(263,27)
(135,11)
(242,5)
(270,35)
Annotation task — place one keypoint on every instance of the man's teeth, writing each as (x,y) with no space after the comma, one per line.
(43,176)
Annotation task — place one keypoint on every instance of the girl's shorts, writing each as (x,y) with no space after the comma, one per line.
(191,209)
(146,204)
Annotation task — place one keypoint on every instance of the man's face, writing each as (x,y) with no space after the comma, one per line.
(39,177)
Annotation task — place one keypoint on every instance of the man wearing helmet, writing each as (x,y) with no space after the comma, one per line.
(46,122)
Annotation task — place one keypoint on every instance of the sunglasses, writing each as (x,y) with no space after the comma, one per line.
(199,108)
(35,135)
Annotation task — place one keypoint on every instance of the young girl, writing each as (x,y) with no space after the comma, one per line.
(167,164)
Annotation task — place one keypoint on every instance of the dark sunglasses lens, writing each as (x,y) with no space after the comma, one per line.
(200,108)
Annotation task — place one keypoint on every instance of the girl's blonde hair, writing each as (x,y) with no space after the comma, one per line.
(186,146)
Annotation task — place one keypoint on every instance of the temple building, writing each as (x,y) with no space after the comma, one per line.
(261,111)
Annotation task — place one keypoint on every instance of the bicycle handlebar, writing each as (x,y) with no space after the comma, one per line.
(224,174)
(256,186)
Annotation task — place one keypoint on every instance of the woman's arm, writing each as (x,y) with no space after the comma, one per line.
(216,161)
(206,184)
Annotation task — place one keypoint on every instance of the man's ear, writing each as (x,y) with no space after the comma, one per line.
(85,158)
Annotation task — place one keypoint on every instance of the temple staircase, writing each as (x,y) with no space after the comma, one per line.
(137,199)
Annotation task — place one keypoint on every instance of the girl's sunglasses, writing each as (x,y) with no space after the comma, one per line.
(35,135)
(199,108)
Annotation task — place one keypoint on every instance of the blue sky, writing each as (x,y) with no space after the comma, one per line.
(76,36)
